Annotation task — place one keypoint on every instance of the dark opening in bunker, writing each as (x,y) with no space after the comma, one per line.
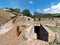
(42,34)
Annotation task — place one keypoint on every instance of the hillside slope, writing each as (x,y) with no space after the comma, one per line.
(5,16)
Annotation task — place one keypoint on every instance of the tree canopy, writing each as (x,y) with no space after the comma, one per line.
(26,12)
(37,15)
(15,10)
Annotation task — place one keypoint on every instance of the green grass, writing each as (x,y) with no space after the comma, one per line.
(51,43)
(25,38)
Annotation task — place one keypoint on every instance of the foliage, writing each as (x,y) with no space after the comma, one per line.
(15,10)
(56,15)
(47,15)
(40,15)
(37,15)
(26,12)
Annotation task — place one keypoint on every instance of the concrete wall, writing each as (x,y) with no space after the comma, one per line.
(51,35)
(43,33)
(28,31)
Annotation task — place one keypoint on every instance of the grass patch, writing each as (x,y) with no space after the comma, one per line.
(58,43)
(25,38)
(51,43)
(54,29)
(24,26)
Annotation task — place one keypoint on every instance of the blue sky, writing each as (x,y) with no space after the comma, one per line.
(44,6)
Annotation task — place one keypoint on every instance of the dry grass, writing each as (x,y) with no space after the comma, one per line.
(4,16)
(54,29)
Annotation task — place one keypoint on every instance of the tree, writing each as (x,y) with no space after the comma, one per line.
(15,10)
(11,9)
(37,15)
(47,15)
(56,15)
(26,12)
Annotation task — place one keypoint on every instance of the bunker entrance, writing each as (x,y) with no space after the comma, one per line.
(42,34)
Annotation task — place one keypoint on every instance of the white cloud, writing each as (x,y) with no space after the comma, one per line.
(46,9)
(38,10)
(53,9)
(31,2)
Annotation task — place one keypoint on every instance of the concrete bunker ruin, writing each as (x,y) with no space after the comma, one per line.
(41,32)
